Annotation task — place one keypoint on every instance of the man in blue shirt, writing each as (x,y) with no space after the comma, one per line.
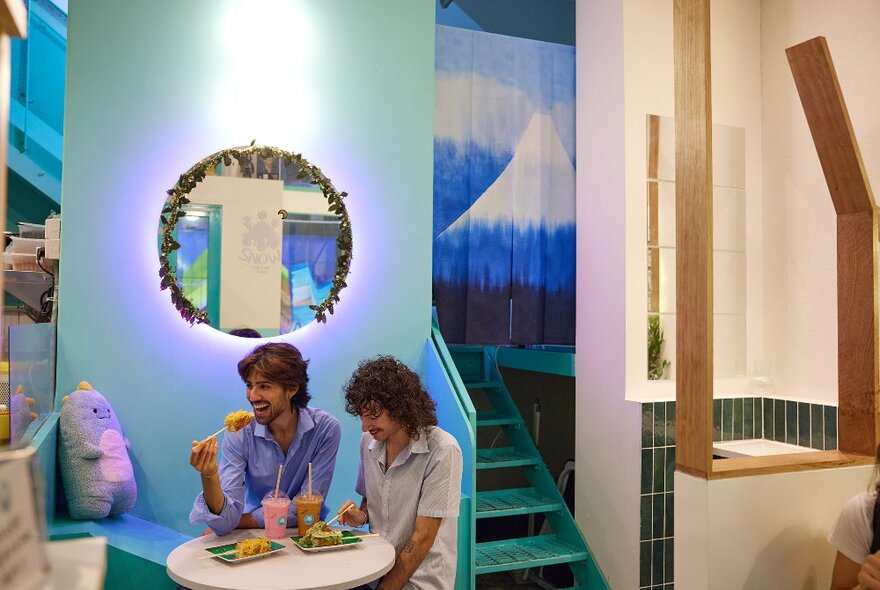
(284,432)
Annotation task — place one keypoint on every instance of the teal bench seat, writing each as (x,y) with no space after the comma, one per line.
(136,548)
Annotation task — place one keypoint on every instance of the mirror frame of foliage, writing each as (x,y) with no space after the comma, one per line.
(177,199)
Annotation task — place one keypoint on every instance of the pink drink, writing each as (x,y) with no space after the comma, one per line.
(275,515)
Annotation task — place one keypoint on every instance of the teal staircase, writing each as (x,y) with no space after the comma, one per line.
(560,540)
(36,107)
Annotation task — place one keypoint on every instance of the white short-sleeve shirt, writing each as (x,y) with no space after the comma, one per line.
(852,532)
(424,480)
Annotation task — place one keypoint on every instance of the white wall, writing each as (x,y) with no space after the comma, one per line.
(607,446)
(736,100)
(723,537)
(791,290)
(755,533)
(800,227)
(790,226)
(625,72)
(649,89)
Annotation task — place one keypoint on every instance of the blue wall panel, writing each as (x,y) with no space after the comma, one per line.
(354,95)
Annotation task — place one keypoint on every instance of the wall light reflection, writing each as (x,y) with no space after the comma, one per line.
(269,46)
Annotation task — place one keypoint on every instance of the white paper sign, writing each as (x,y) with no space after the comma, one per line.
(23,565)
(250,249)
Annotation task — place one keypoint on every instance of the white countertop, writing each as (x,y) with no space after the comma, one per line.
(77,564)
(288,569)
(755,447)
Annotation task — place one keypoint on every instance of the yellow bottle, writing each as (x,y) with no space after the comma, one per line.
(4,425)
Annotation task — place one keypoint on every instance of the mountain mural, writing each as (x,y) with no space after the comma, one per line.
(504,208)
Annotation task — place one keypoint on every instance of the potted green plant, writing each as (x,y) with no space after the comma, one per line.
(658,366)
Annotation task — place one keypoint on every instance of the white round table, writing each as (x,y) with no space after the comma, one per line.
(288,569)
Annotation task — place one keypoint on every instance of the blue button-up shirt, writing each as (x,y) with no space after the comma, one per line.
(249,467)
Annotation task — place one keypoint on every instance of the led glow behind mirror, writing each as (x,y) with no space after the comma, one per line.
(254,237)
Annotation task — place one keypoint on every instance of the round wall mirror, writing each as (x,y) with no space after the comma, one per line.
(255,241)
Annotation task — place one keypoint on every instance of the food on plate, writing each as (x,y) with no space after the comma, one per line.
(237,420)
(254,546)
(321,535)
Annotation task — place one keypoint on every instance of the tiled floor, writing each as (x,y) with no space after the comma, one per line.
(502,581)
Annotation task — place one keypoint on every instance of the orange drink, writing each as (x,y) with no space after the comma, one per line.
(308,511)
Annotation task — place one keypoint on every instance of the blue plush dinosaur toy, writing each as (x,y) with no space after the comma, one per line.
(93,455)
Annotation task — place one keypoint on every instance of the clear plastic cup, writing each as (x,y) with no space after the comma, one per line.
(308,511)
(275,509)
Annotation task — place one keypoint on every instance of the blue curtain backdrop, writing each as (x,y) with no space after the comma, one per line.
(504,189)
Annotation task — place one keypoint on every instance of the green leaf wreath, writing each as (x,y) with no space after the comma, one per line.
(177,198)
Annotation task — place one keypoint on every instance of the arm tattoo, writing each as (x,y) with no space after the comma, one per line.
(408,548)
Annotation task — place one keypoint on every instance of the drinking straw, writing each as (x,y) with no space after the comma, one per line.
(310,479)
(278,481)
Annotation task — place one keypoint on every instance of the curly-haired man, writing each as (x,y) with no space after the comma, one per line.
(409,476)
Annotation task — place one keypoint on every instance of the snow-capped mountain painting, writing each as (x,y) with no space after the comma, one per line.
(504,189)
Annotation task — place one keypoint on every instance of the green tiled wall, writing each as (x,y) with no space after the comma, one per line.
(658,470)
(800,423)
(797,423)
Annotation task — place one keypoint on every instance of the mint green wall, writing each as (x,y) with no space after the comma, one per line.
(151,89)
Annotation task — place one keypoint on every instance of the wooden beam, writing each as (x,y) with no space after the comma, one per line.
(693,241)
(653,214)
(829,123)
(857,366)
(13,22)
(747,466)
(858,376)
(13,18)
(653,146)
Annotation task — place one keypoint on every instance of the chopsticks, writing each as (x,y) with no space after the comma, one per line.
(213,555)
(335,518)
(234,424)
(216,433)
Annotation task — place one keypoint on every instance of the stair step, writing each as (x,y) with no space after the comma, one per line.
(504,457)
(494,384)
(493,418)
(514,501)
(513,554)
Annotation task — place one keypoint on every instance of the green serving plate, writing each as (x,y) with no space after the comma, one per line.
(349,539)
(224,552)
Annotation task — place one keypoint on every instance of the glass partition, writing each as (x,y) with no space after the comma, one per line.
(31,379)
